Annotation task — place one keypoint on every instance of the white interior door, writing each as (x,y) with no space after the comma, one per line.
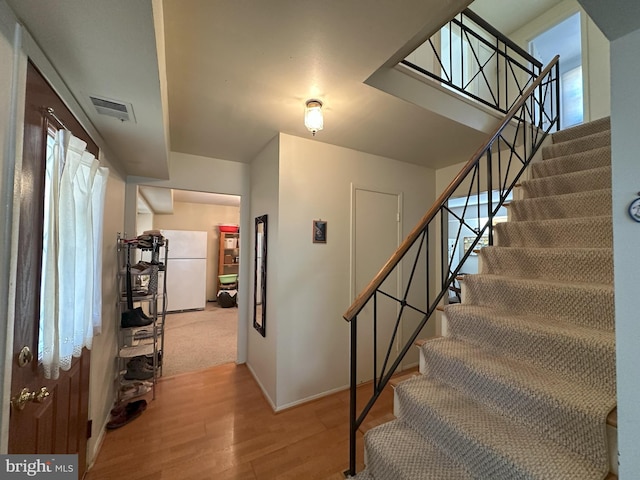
(375,237)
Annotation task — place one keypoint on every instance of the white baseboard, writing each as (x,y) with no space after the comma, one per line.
(93,455)
(297,402)
(311,398)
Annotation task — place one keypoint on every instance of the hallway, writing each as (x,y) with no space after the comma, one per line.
(216,424)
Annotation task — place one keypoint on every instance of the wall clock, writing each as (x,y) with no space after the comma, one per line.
(634,209)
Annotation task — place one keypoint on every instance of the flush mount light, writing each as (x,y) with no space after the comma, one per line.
(313,116)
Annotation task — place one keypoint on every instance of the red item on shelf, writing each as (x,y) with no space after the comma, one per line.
(228,228)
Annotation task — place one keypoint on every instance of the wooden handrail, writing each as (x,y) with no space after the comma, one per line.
(364,296)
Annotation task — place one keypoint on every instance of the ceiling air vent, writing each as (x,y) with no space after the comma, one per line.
(113,108)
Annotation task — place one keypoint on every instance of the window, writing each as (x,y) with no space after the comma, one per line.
(564,39)
(70,283)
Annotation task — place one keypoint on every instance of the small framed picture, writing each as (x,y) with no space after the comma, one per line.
(319,231)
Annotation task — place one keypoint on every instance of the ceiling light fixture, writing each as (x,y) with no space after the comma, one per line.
(313,116)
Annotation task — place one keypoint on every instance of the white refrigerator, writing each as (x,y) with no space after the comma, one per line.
(186,270)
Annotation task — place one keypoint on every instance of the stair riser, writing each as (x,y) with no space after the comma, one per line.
(364,475)
(582,130)
(612,440)
(379,466)
(411,457)
(595,364)
(480,442)
(576,234)
(597,140)
(532,406)
(570,265)
(589,180)
(596,158)
(576,205)
(460,444)
(581,305)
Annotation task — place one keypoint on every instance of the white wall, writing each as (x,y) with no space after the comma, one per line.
(12,86)
(625,145)
(595,54)
(263,351)
(313,282)
(205,218)
(105,345)
(144,222)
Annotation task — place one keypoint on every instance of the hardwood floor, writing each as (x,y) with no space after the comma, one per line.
(216,424)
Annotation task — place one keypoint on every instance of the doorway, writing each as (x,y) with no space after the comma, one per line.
(565,39)
(203,335)
(376,233)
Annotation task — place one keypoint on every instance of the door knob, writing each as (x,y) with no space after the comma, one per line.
(25,396)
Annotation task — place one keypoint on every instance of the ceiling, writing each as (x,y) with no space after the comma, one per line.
(220,79)
(160,200)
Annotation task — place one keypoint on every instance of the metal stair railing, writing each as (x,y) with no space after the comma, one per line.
(429,263)
(473,58)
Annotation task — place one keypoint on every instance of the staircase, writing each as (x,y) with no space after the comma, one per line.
(521,386)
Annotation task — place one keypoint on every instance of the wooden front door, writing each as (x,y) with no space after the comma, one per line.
(56,423)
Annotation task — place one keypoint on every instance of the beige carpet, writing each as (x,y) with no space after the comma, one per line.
(522,385)
(199,339)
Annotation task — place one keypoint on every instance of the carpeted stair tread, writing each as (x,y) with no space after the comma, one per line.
(590,305)
(598,157)
(571,232)
(579,265)
(521,386)
(397,452)
(582,130)
(484,441)
(596,203)
(580,181)
(568,411)
(562,347)
(582,144)
(363,475)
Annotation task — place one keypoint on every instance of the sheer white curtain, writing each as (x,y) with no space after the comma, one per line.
(71,286)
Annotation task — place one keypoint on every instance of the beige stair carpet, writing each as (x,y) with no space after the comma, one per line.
(522,385)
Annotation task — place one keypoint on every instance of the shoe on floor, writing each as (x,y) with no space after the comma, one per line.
(126,415)
(130,406)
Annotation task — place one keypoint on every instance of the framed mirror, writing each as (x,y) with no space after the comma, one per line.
(260,276)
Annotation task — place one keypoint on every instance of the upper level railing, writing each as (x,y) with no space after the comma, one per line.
(471,57)
(386,319)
